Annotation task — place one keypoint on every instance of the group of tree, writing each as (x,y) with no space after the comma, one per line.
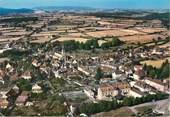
(114,42)
(15,54)
(159,73)
(104,106)
(99,74)
(24,85)
(74,45)
(19,19)
(90,44)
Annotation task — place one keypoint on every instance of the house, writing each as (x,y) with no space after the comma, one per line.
(143,55)
(57,56)
(75,62)
(157,84)
(142,86)
(167,86)
(56,74)
(14,77)
(105,80)
(9,68)
(28,104)
(43,68)
(4,92)
(35,63)
(106,70)
(89,93)
(36,89)
(3,98)
(22,98)
(83,71)
(73,107)
(116,74)
(139,73)
(138,67)
(128,72)
(112,89)
(157,51)
(26,75)
(135,93)
(3,103)
(2,75)
(16,89)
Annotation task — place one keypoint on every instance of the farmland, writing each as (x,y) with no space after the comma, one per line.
(155,63)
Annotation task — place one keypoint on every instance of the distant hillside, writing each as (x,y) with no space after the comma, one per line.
(6,11)
(64,8)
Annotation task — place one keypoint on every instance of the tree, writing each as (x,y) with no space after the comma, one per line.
(128,101)
(114,42)
(99,74)
(164,70)
(160,73)
(24,85)
(91,43)
(106,45)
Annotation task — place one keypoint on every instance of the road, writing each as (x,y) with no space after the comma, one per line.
(133,108)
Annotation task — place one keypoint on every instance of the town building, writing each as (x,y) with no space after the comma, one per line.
(36,89)
(112,89)
(157,84)
(22,98)
(135,93)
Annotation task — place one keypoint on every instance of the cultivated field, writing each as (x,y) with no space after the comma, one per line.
(165,45)
(122,112)
(77,34)
(155,63)
(151,30)
(100,42)
(72,38)
(115,32)
(140,38)
(9,39)
(41,40)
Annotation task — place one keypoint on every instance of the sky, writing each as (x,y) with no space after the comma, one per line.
(130,4)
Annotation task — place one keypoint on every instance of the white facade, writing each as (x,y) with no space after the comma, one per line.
(136,77)
(116,76)
(159,87)
(26,77)
(36,89)
(82,70)
(89,93)
(134,94)
(103,94)
(56,73)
